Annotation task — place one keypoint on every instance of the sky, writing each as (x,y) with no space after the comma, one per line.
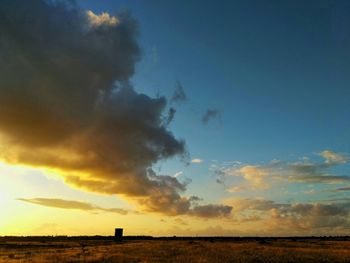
(189,118)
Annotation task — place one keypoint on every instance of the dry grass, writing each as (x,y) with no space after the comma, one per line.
(176,251)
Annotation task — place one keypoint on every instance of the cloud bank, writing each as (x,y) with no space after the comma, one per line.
(66,104)
(294,218)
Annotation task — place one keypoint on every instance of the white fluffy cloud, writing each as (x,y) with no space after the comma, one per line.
(102,19)
(333,157)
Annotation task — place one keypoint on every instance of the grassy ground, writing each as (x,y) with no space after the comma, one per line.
(176,251)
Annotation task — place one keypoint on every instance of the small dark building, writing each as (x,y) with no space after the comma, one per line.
(118,234)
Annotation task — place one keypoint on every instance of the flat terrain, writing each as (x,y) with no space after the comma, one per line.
(201,250)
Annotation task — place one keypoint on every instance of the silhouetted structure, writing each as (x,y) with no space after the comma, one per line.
(118,234)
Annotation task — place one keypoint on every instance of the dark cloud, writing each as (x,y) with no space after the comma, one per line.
(209,115)
(66,103)
(177,97)
(211,211)
(169,118)
(69,204)
(179,94)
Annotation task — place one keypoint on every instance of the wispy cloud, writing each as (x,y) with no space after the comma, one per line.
(306,171)
(179,94)
(235,189)
(334,158)
(210,114)
(342,189)
(177,174)
(70,204)
(178,97)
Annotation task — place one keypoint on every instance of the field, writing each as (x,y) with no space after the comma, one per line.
(209,250)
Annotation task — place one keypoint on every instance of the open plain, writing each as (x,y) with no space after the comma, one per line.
(209,250)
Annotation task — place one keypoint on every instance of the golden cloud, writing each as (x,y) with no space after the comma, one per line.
(66,104)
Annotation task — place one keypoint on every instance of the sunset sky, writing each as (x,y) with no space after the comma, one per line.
(175,117)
